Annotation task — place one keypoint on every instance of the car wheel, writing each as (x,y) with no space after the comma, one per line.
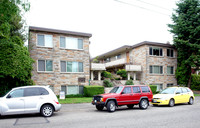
(47,110)
(130,106)
(111,106)
(191,101)
(99,107)
(144,104)
(171,102)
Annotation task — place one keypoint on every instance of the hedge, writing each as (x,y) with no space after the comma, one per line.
(92,90)
(153,88)
(129,82)
(195,82)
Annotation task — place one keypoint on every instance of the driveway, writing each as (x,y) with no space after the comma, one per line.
(86,116)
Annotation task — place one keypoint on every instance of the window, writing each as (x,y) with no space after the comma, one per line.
(136,89)
(44,40)
(127,90)
(170,70)
(154,69)
(170,85)
(155,51)
(72,89)
(184,90)
(118,56)
(107,60)
(178,91)
(71,43)
(45,65)
(16,93)
(170,52)
(64,89)
(159,87)
(67,66)
(35,91)
(145,89)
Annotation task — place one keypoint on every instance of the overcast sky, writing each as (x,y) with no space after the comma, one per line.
(112,23)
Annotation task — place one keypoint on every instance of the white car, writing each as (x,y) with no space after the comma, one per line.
(29,99)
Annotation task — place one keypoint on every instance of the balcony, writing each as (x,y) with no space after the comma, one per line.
(98,67)
(133,68)
(116,62)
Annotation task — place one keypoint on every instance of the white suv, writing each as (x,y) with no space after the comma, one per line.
(29,99)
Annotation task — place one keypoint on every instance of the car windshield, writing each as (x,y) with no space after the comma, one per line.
(116,90)
(168,91)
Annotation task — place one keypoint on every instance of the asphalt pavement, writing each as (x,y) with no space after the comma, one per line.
(86,116)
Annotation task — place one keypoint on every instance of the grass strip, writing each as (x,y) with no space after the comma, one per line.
(75,100)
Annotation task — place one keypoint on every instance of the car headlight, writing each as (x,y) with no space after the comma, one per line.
(101,99)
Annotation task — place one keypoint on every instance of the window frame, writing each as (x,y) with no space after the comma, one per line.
(153,69)
(44,40)
(45,65)
(170,52)
(151,48)
(72,66)
(72,38)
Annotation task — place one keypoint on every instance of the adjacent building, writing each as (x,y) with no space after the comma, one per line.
(149,63)
(61,59)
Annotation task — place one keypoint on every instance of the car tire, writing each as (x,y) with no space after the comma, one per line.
(111,106)
(191,101)
(99,107)
(47,110)
(143,104)
(130,106)
(171,102)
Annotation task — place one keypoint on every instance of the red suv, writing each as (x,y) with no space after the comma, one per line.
(124,95)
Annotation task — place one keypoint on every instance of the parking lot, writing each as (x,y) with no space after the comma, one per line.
(86,116)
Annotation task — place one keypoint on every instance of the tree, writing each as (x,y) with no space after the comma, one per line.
(15,61)
(186,30)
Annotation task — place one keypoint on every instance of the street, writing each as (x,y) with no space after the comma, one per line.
(86,116)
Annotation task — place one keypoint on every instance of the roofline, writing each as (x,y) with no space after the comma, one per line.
(40,29)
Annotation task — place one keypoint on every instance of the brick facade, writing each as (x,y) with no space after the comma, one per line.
(56,78)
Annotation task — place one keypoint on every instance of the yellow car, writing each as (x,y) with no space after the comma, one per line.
(173,95)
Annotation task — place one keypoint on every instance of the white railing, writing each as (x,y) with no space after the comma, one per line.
(97,66)
(116,62)
(133,68)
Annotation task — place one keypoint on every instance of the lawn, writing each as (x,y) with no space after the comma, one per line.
(76,100)
(196,94)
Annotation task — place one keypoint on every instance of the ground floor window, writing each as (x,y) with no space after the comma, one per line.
(72,89)
(170,85)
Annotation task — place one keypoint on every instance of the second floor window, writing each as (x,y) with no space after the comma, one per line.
(44,40)
(45,65)
(170,52)
(170,70)
(71,43)
(155,69)
(68,66)
(118,56)
(155,51)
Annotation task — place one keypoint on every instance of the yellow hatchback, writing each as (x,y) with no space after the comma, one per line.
(173,95)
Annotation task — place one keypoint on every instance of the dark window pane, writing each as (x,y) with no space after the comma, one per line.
(168,52)
(17,93)
(161,69)
(127,90)
(63,88)
(136,89)
(43,91)
(32,92)
(151,69)
(40,40)
(80,66)
(172,70)
(63,66)
(80,44)
(49,65)
(150,50)
(69,66)
(161,52)
(156,51)
(62,42)
(172,53)
(41,65)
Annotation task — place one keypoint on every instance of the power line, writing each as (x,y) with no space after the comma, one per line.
(130,4)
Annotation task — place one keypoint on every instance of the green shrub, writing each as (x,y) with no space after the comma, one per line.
(92,90)
(122,73)
(107,83)
(153,88)
(106,74)
(129,82)
(195,82)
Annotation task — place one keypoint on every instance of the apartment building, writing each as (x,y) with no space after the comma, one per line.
(149,63)
(61,59)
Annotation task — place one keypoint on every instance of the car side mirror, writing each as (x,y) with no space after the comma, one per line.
(122,93)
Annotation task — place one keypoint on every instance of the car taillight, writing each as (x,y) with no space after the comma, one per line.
(56,102)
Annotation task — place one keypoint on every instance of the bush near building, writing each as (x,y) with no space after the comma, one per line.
(122,73)
(129,82)
(195,82)
(153,88)
(92,90)
(107,83)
